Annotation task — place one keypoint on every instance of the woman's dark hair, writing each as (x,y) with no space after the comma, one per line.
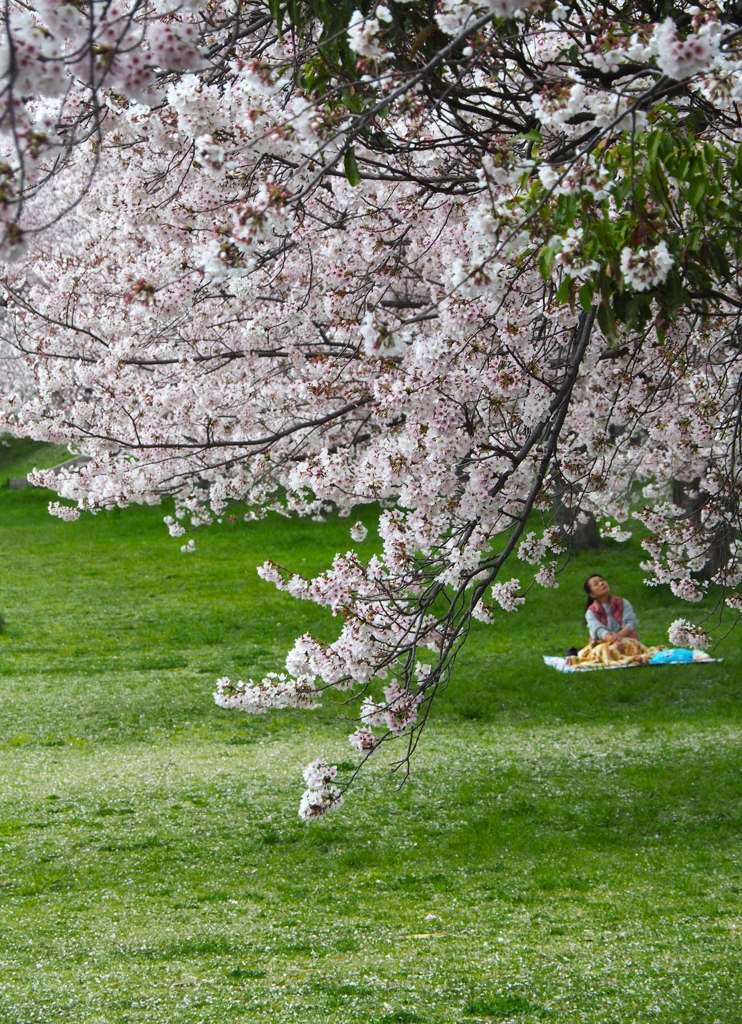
(586,587)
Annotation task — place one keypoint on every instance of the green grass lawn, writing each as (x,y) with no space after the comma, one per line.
(567,850)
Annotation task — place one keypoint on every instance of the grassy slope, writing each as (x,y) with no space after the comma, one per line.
(18,456)
(567,850)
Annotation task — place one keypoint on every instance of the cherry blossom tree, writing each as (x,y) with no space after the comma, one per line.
(448,257)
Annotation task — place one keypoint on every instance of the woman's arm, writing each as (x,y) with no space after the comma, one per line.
(628,624)
(629,619)
(597,630)
(613,638)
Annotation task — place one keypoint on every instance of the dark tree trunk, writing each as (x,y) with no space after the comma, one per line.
(686,495)
(576,535)
(720,550)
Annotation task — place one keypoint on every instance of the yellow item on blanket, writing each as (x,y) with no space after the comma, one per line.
(625,652)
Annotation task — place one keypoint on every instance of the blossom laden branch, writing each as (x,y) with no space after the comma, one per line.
(300,260)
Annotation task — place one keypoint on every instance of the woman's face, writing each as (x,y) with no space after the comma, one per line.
(599,589)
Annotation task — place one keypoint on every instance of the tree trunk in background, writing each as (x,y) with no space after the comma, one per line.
(578,536)
(720,550)
(686,495)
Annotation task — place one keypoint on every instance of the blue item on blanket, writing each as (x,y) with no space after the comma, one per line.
(679,656)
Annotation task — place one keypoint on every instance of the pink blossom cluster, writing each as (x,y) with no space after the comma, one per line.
(506,595)
(683,58)
(276,690)
(321,796)
(679,550)
(363,741)
(364,33)
(685,634)
(532,549)
(613,531)
(644,268)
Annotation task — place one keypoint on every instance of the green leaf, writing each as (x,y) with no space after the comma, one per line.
(380,140)
(421,38)
(680,172)
(607,322)
(564,292)
(277,12)
(547,258)
(351,167)
(653,143)
(718,260)
(697,191)
(585,295)
(532,136)
(674,291)
(352,101)
(632,309)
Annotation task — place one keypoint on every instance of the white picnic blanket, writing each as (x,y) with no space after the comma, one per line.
(678,656)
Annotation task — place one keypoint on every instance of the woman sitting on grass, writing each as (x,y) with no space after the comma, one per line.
(613,638)
(609,619)
(612,624)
